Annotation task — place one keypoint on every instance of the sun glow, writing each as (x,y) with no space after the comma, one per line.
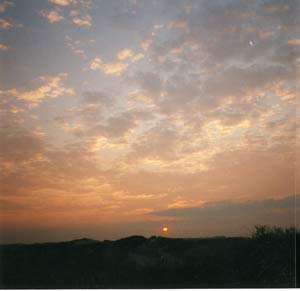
(165,229)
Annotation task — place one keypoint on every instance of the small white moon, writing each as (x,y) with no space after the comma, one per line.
(251,43)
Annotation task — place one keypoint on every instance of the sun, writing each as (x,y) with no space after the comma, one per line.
(165,229)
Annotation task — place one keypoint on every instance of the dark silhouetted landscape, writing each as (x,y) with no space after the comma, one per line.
(266,259)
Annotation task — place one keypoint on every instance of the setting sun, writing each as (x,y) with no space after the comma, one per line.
(165,229)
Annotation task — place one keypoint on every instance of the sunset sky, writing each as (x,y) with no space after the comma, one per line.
(123,117)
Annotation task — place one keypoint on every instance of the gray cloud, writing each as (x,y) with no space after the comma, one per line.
(225,64)
(229,207)
(101,98)
(225,217)
(150,82)
(19,144)
(159,142)
(115,126)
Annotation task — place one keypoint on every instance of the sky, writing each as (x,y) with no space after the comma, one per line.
(120,118)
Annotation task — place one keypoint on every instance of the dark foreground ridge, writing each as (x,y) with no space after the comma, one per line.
(265,260)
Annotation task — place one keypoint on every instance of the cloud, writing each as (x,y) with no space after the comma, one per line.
(124,54)
(158,26)
(115,126)
(52,87)
(177,24)
(146,43)
(5,4)
(150,82)
(97,98)
(51,15)
(294,41)
(19,145)
(5,23)
(76,47)
(205,117)
(96,64)
(79,13)
(224,217)
(276,7)
(212,208)
(61,2)
(159,142)
(96,114)
(94,105)
(217,68)
(4,47)
(114,68)
(81,20)
(137,57)
(110,68)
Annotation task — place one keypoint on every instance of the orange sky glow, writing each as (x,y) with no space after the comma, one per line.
(137,117)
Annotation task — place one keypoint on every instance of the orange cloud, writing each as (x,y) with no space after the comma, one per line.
(5,24)
(294,41)
(124,54)
(52,88)
(61,2)
(177,24)
(3,47)
(79,19)
(137,57)
(111,68)
(79,13)
(51,15)
(4,5)
(146,43)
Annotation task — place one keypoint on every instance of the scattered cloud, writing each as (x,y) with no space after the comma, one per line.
(5,24)
(81,19)
(157,143)
(177,24)
(62,2)
(76,47)
(277,7)
(124,54)
(79,13)
(114,68)
(137,57)
(220,217)
(51,87)
(151,83)
(208,115)
(5,4)
(210,207)
(20,145)
(129,54)
(294,41)
(115,126)
(4,47)
(158,26)
(146,43)
(51,15)
(96,64)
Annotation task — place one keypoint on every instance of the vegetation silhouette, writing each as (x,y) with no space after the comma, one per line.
(267,259)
